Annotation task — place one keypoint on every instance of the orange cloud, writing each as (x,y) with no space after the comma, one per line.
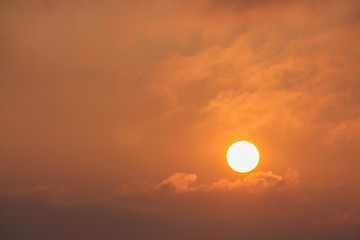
(178,182)
(183,183)
(255,182)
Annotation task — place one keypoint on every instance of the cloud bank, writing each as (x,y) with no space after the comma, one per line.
(184,182)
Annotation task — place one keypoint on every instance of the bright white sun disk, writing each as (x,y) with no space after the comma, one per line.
(243,156)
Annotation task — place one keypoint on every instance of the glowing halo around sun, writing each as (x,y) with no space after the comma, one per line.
(243,156)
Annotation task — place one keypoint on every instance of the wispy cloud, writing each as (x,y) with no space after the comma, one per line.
(184,182)
(178,182)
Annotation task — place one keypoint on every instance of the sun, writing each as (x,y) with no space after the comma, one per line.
(243,156)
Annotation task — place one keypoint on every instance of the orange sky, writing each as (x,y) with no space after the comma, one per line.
(116,117)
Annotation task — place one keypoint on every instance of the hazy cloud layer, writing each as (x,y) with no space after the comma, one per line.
(101,100)
(183,183)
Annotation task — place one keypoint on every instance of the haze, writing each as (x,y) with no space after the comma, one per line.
(116,117)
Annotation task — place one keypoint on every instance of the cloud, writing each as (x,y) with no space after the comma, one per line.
(178,182)
(184,182)
(255,182)
(96,94)
(348,131)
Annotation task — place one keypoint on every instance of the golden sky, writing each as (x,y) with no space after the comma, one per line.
(116,117)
